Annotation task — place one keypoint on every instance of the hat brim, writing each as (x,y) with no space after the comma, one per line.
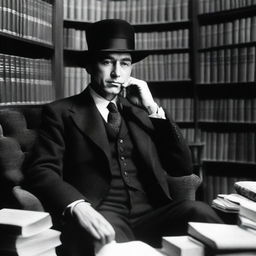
(136,55)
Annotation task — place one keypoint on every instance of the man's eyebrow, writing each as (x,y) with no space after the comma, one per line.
(127,59)
(112,58)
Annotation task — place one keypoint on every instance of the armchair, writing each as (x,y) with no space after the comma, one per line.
(18,131)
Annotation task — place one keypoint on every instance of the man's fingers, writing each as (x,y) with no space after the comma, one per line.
(94,223)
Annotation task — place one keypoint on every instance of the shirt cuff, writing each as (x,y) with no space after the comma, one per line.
(71,206)
(158,114)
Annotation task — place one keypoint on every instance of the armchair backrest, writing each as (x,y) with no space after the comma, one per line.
(18,131)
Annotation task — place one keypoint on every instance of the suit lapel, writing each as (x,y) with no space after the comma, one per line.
(142,130)
(89,121)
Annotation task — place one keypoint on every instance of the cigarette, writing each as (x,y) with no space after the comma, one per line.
(123,91)
(117,83)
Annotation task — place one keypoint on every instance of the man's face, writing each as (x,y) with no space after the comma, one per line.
(108,72)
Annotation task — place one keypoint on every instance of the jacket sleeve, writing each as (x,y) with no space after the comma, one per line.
(173,150)
(44,168)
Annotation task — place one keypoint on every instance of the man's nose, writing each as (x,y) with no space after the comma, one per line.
(116,71)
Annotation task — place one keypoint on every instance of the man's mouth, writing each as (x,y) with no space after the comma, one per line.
(115,83)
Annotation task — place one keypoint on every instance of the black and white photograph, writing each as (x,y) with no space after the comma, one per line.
(128,127)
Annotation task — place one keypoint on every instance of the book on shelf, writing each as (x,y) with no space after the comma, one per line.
(139,11)
(27,19)
(182,246)
(246,189)
(38,244)
(23,222)
(223,237)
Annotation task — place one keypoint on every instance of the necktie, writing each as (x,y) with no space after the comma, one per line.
(114,117)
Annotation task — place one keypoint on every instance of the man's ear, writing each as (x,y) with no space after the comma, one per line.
(88,68)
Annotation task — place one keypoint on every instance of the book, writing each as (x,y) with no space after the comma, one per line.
(23,222)
(182,246)
(247,223)
(30,246)
(224,205)
(248,210)
(48,252)
(127,249)
(222,237)
(246,188)
(229,202)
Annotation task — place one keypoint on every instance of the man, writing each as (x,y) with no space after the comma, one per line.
(102,160)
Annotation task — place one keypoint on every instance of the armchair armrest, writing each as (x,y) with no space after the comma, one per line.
(26,200)
(183,187)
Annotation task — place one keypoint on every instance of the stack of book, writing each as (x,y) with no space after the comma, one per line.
(27,233)
(247,209)
(208,239)
(237,202)
(221,239)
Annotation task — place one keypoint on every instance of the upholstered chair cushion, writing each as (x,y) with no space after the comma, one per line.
(11,160)
(14,125)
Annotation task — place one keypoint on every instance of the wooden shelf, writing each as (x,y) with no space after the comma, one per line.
(227,90)
(171,82)
(24,47)
(79,24)
(149,51)
(228,46)
(163,26)
(226,16)
(143,27)
(227,126)
(185,124)
(181,89)
(22,105)
(229,168)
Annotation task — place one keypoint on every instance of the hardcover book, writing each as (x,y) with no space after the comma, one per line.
(23,222)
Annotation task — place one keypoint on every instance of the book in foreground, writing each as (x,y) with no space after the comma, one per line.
(248,210)
(30,246)
(182,246)
(23,222)
(246,188)
(225,205)
(132,248)
(223,236)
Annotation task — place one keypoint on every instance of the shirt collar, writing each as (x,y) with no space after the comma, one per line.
(101,103)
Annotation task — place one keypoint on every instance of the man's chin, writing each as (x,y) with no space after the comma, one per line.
(114,90)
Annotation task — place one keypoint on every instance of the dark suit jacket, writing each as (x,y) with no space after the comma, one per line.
(71,159)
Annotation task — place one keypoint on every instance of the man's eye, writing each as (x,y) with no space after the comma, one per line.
(126,64)
(106,62)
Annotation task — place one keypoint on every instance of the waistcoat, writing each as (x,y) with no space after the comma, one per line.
(126,194)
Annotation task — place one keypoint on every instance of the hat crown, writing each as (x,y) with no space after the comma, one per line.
(110,35)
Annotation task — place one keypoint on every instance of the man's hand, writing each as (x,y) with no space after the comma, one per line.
(94,223)
(138,93)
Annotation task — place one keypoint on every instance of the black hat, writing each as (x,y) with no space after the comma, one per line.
(112,35)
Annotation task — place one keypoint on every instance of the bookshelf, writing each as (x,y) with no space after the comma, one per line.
(169,71)
(201,67)
(30,51)
(226,93)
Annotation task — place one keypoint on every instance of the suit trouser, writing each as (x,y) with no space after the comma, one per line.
(171,219)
